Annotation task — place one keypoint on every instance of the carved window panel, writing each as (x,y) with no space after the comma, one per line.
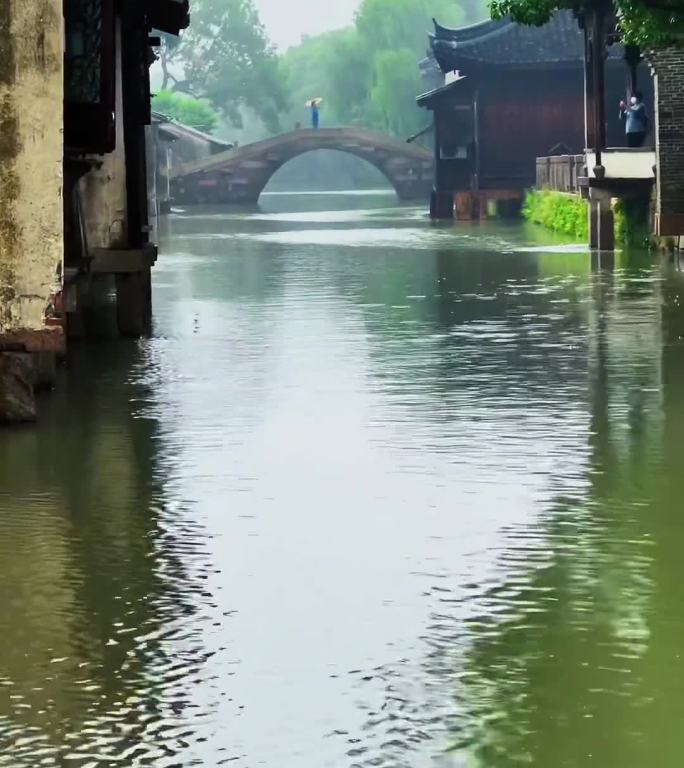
(84,52)
(90,75)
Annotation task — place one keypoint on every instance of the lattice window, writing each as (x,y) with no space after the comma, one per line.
(84,45)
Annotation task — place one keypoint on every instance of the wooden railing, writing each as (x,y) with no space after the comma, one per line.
(559,172)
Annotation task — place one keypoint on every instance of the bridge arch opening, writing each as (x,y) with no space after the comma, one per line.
(328,170)
(240,174)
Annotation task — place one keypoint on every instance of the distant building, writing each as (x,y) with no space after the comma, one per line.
(172,144)
(503,94)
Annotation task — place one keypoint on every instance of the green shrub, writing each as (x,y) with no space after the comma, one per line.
(197,113)
(631,223)
(558,211)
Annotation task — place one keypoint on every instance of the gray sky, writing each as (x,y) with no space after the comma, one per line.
(287,20)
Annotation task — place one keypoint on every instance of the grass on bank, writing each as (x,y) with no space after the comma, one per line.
(558,211)
(568,214)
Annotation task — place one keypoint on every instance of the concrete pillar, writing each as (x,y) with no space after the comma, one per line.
(31,211)
(601,223)
(134,303)
(593,211)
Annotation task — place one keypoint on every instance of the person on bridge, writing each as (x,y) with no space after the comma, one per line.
(636,120)
(315,107)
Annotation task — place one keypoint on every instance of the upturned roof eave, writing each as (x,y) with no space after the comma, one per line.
(469,32)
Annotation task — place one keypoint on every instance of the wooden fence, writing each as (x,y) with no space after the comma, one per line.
(560,172)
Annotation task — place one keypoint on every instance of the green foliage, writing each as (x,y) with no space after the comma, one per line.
(226,57)
(306,72)
(197,113)
(347,73)
(391,24)
(648,23)
(632,223)
(558,211)
(368,74)
(396,82)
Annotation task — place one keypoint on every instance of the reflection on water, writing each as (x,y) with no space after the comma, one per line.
(376,493)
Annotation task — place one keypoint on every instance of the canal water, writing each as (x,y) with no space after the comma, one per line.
(376,492)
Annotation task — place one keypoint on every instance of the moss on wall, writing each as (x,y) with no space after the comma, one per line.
(558,211)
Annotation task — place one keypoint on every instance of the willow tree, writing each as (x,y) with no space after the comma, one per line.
(226,57)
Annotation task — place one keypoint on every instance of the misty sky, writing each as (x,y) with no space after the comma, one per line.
(287,20)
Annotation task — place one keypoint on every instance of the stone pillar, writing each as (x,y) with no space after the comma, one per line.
(668,67)
(601,222)
(134,302)
(31,210)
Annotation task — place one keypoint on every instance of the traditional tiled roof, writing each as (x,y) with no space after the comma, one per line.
(172,130)
(505,43)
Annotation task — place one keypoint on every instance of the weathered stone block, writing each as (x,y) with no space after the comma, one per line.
(17,399)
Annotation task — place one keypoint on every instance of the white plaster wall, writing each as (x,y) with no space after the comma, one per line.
(31,148)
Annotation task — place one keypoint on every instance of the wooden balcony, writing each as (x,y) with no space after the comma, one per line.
(623,172)
(626,172)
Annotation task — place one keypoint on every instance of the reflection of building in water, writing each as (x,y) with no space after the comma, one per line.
(98,639)
(562,650)
(625,359)
(568,657)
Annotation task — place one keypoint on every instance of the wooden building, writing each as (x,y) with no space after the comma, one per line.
(107,121)
(74,214)
(502,95)
(171,144)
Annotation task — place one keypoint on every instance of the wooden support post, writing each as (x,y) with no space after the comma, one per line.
(441,200)
(441,205)
(633,59)
(595,23)
(134,303)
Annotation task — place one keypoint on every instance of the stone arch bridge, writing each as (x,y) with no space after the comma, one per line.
(240,174)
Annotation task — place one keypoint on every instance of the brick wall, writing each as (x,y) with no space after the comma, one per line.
(668,67)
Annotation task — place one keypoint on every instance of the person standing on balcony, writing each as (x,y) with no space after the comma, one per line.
(636,120)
